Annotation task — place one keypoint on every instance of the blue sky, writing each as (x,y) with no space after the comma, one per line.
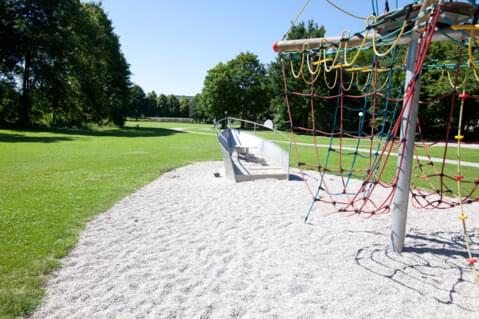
(170,45)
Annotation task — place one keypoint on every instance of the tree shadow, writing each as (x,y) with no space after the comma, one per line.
(433,265)
(119,132)
(19,138)
(130,132)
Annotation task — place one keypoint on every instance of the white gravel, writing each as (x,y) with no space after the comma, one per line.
(190,245)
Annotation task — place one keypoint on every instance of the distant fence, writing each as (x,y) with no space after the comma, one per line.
(172,119)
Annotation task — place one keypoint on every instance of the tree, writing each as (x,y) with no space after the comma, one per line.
(173,106)
(137,103)
(184,106)
(41,31)
(163,105)
(434,115)
(64,60)
(151,104)
(300,106)
(249,83)
(196,110)
(217,95)
(237,87)
(103,71)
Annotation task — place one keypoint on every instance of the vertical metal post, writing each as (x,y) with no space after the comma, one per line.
(405,156)
(406,149)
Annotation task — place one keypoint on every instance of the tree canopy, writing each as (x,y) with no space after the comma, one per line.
(237,87)
(60,64)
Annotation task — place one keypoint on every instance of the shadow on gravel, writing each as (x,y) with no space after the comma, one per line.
(432,264)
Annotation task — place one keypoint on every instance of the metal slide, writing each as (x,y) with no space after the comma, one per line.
(248,156)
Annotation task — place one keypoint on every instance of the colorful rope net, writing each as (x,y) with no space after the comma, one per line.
(367,102)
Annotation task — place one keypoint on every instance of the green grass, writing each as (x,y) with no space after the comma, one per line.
(53,182)
(469,155)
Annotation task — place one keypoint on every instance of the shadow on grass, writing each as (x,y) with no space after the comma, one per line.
(20,137)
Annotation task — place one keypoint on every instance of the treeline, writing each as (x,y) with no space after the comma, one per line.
(153,105)
(60,65)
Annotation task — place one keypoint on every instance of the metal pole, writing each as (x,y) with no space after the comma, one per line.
(406,149)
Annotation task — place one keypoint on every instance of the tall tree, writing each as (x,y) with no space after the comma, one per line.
(249,84)
(65,61)
(163,105)
(103,71)
(218,93)
(137,103)
(184,106)
(41,29)
(237,87)
(173,106)
(152,104)
(196,110)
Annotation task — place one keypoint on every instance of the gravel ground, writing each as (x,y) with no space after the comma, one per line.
(190,245)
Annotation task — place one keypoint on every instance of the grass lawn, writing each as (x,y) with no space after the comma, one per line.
(470,155)
(53,182)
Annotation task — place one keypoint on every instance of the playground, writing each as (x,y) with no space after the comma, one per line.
(342,207)
(235,251)
(226,250)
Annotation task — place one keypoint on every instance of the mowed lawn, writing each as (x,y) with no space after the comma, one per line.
(53,182)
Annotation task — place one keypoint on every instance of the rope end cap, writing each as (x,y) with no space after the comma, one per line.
(275,46)
(471,261)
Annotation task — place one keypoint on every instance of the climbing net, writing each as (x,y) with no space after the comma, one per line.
(360,87)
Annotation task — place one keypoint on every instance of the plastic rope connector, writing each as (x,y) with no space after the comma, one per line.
(464,96)
(463,217)
(458,178)
(471,261)
(459,137)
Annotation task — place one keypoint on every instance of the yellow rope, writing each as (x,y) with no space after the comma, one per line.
(300,72)
(314,74)
(475,73)
(441,76)
(393,45)
(453,85)
(365,83)
(459,137)
(335,80)
(322,61)
(361,68)
(350,83)
(333,64)
(318,65)
(361,45)
(383,85)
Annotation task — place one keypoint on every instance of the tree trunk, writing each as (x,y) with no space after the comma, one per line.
(26,107)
